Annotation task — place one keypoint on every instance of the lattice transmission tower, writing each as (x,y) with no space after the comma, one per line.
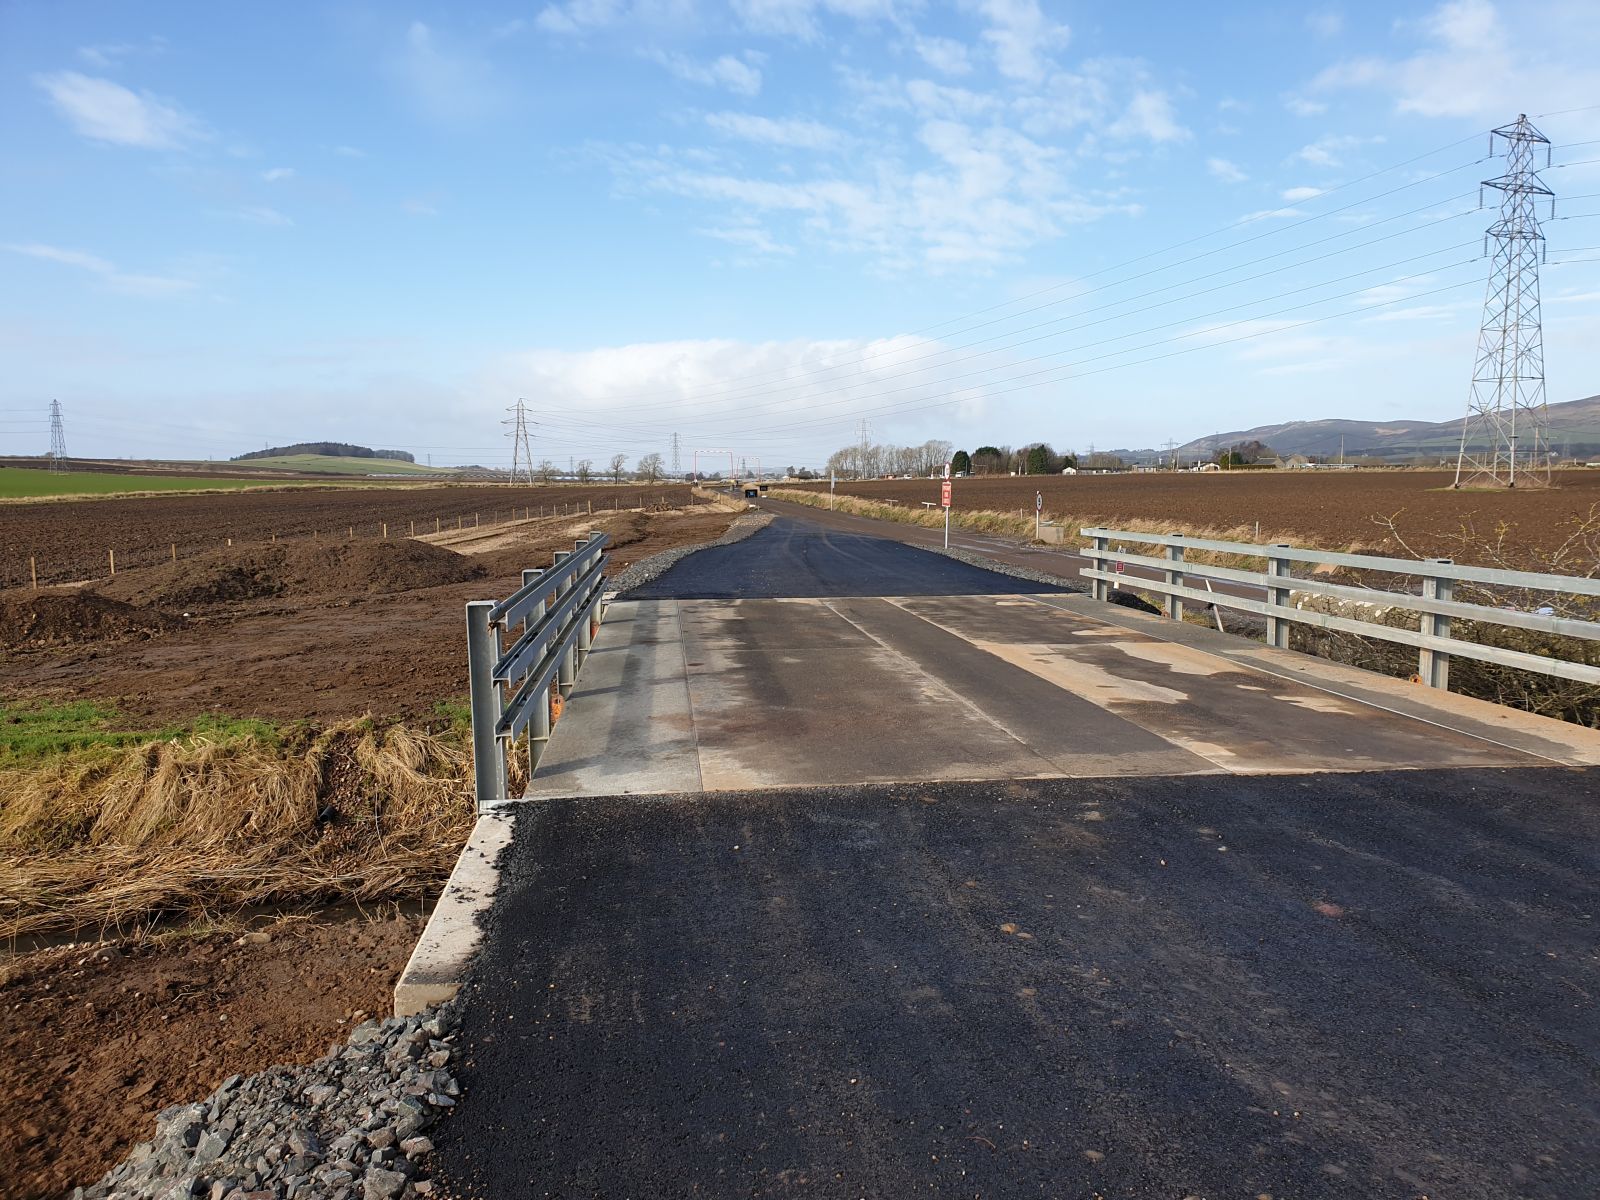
(676,468)
(58,438)
(1505,439)
(521,452)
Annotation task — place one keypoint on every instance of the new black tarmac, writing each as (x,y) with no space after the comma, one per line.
(1362,985)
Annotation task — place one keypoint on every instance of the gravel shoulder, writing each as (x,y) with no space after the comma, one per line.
(99,1038)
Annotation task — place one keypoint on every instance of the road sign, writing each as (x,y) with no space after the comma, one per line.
(1038,502)
(944,493)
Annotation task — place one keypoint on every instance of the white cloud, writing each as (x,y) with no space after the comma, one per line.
(578,16)
(278,174)
(350,152)
(1021,37)
(944,54)
(1296,194)
(1301,107)
(108,112)
(1226,171)
(1325,23)
(107,272)
(446,84)
(752,239)
(260,214)
(798,18)
(1149,114)
(1330,151)
(1469,63)
(740,76)
(1272,214)
(418,208)
(794,133)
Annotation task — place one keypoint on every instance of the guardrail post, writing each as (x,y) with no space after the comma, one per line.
(488,763)
(1433,666)
(1102,545)
(1277,597)
(568,673)
(1174,576)
(539,722)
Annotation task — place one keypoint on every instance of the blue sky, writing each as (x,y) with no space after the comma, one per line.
(755,223)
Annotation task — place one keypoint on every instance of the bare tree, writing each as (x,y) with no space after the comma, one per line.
(650,468)
(546,470)
(585,470)
(619,465)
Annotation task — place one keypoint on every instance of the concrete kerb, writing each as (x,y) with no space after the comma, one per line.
(448,944)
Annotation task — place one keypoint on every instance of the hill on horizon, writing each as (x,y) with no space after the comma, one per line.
(1574,430)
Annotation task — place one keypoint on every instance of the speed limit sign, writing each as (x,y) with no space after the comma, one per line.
(1038,502)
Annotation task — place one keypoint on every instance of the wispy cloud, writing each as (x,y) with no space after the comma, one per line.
(1149,114)
(260,214)
(1331,151)
(578,16)
(1021,37)
(1226,171)
(105,111)
(944,54)
(106,271)
(1301,107)
(741,76)
(277,174)
(446,83)
(1469,63)
(1296,194)
(792,133)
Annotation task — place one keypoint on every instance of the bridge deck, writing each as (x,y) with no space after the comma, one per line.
(719,695)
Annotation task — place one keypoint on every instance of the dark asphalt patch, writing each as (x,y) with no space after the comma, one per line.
(1376,985)
(800,558)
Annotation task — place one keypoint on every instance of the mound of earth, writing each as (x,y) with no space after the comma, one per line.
(30,620)
(259,572)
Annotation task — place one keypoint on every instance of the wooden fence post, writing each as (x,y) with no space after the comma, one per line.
(33,571)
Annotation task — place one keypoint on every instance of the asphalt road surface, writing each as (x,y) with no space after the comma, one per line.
(1361,985)
(794,558)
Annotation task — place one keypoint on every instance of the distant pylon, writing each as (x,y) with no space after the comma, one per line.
(521,452)
(58,438)
(676,467)
(1505,439)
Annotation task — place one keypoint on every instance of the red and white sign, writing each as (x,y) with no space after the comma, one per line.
(944,493)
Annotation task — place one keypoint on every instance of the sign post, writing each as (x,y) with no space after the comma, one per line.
(833,482)
(1038,507)
(944,501)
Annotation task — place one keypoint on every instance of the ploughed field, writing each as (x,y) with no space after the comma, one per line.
(1333,509)
(73,540)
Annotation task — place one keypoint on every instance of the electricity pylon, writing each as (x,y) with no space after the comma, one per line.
(521,452)
(58,438)
(1505,439)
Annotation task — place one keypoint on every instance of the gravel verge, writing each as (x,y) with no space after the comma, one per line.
(648,570)
(974,559)
(352,1124)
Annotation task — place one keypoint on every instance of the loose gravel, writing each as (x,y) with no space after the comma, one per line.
(648,570)
(974,559)
(352,1124)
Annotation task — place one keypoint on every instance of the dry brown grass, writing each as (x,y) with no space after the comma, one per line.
(105,840)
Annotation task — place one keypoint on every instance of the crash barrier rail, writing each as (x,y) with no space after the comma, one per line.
(523,656)
(1436,604)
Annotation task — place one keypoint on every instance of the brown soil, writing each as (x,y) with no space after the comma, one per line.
(321,656)
(70,541)
(34,620)
(1329,508)
(220,576)
(97,1041)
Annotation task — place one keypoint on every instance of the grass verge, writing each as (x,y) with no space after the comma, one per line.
(113,835)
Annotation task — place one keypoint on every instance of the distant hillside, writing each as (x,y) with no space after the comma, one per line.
(330,449)
(1574,430)
(327,464)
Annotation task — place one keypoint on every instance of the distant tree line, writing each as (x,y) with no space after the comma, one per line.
(328,450)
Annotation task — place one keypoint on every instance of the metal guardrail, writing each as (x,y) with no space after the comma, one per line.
(1436,604)
(524,651)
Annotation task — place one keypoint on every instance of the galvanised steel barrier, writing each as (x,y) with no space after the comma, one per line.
(523,656)
(1435,605)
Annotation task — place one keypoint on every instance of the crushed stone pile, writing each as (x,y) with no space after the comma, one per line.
(260,572)
(31,620)
(350,1126)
